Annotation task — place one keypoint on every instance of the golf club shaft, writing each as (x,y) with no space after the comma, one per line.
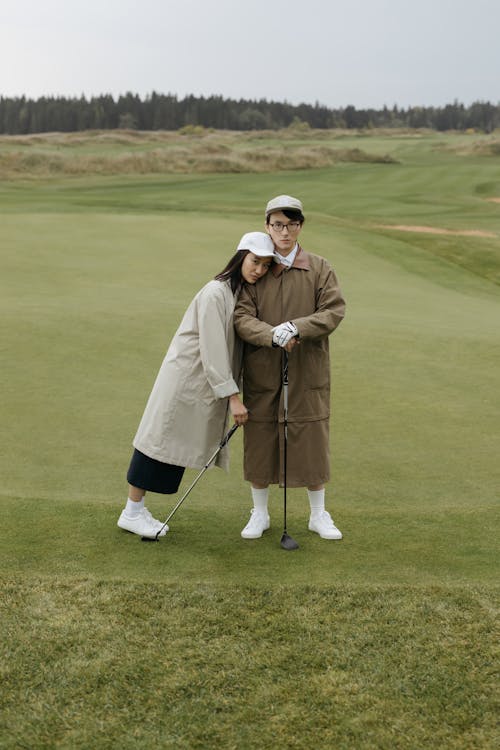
(224,442)
(286,540)
(285,431)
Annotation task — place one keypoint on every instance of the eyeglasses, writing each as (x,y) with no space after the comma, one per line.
(292,226)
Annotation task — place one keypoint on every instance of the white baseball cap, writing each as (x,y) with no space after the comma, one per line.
(259,243)
(283,202)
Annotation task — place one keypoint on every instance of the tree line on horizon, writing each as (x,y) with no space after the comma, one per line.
(23,116)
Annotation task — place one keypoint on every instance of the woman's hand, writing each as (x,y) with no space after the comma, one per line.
(238,409)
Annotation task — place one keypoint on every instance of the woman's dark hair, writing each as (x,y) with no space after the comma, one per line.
(232,272)
(290,213)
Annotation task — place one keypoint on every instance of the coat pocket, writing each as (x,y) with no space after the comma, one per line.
(316,365)
(262,369)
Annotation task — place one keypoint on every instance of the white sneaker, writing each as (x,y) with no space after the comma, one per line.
(141,523)
(324,526)
(155,521)
(258,523)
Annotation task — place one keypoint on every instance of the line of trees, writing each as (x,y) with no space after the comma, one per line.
(20,115)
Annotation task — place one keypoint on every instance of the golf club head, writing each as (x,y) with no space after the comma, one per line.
(288,543)
(150,538)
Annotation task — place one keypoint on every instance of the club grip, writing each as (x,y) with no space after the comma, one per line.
(227,437)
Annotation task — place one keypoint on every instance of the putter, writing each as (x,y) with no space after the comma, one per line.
(286,540)
(224,442)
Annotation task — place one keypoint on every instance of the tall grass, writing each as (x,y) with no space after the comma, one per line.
(167,153)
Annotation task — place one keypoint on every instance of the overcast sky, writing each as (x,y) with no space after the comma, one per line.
(362,52)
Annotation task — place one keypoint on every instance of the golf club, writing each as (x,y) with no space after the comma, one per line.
(286,540)
(224,442)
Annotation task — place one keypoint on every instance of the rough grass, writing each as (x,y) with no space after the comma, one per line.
(147,665)
(202,157)
(165,153)
(198,150)
(474,146)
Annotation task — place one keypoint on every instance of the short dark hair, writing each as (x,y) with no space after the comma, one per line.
(291,213)
(232,271)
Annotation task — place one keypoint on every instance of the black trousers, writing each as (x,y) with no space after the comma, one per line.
(149,474)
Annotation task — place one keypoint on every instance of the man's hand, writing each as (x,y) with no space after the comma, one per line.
(284,333)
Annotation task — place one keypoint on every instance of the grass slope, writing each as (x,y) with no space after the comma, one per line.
(384,640)
(414,370)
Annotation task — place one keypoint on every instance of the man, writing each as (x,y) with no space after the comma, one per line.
(295,308)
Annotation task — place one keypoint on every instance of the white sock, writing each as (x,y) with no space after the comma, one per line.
(316,501)
(133,508)
(260,498)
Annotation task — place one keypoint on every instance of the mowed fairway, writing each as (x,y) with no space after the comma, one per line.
(383,640)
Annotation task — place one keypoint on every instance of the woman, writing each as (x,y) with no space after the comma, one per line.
(186,414)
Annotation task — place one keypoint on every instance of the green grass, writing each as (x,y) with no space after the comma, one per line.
(151,665)
(385,640)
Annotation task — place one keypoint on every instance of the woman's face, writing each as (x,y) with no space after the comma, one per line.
(254,267)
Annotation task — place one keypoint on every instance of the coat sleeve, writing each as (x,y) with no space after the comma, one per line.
(215,357)
(247,325)
(330,307)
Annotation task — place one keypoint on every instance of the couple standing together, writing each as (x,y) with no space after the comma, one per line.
(272,295)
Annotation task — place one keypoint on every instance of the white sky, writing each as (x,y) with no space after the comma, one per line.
(362,52)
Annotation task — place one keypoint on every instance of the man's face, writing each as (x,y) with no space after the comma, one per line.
(283,231)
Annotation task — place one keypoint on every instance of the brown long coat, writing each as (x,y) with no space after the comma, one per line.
(309,295)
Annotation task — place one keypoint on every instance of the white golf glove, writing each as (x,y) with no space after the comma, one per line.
(283,333)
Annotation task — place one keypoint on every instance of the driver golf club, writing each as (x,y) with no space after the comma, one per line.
(286,540)
(224,442)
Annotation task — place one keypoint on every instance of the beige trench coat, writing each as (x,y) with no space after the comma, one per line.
(309,295)
(186,414)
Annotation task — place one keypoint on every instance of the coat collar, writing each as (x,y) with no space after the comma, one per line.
(301,262)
